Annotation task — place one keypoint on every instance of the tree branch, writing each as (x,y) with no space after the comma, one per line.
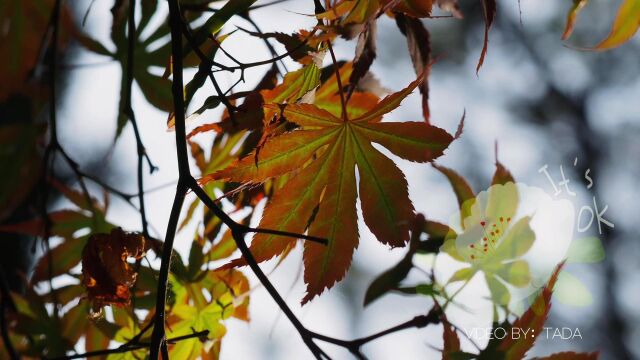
(158,335)
(354,346)
(238,231)
(131,347)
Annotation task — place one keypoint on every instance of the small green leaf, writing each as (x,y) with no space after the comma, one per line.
(388,280)
(426,289)
(196,258)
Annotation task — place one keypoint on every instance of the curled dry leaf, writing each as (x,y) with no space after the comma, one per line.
(106,274)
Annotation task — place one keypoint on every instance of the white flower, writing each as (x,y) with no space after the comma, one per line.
(514,235)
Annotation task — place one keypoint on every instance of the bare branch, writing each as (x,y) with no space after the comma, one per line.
(131,347)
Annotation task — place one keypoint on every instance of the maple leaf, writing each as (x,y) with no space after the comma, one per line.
(321,157)
(106,274)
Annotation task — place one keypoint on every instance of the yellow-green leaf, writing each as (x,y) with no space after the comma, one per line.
(624,26)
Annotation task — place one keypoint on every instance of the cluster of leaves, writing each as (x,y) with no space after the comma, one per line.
(93,261)
(93,265)
(304,140)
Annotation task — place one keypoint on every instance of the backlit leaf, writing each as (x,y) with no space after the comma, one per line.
(624,26)
(322,191)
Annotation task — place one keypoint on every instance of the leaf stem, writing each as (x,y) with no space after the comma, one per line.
(343,103)
(450,298)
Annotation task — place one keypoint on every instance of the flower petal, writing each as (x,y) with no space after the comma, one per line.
(463,274)
(502,201)
(449,247)
(515,273)
(517,241)
(499,292)
(572,291)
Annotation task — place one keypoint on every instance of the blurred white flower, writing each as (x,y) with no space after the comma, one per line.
(514,235)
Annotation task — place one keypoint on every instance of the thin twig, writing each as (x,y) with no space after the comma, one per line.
(244,66)
(272,50)
(343,103)
(205,66)
(354,346)
(142,155)
(132,347)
